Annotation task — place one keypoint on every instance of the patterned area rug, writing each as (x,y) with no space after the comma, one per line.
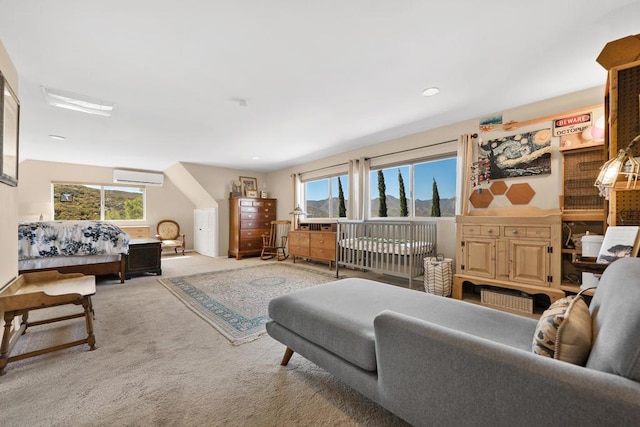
(235,302)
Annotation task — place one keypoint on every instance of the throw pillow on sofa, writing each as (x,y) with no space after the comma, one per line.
(564,331)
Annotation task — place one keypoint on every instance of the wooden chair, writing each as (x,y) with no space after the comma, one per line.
(274,244)
(168,232)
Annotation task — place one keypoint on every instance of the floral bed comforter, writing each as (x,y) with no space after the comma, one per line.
(63,238)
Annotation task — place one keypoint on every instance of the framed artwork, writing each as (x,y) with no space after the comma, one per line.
(252,193)
(249,184)
(9,125)
(236,188)
(522,154)
(619,242)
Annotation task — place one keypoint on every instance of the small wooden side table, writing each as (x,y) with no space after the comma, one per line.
(144,257)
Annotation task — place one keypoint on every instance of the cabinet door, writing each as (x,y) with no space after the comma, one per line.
(529,262)
(479,257)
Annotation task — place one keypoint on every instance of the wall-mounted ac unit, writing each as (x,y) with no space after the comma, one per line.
(125,176)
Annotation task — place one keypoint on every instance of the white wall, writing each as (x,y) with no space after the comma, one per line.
(217,181)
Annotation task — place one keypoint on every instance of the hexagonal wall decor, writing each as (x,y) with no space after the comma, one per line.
(520,194)
(481,199)
(498,188)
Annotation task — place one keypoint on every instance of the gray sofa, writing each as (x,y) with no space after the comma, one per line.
(437,361)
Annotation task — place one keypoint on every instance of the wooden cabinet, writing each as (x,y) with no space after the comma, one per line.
(249,219)
(522,253)
(314,241)
(623,110)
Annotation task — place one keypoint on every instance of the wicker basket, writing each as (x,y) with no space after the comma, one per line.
(505,299)
(438,275)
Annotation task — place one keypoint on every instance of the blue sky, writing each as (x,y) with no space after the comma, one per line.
(444,171)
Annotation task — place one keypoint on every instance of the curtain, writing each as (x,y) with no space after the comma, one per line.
(465,148)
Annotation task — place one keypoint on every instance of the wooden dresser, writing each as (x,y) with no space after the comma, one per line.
(314,241)
(521,253)
(249,219)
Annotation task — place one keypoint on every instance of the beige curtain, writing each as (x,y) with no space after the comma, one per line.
(466,149)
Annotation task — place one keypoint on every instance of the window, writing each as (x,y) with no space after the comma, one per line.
(322,196)
(417,179)
(97,202)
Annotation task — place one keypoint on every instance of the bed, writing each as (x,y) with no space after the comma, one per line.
(89,247)
(397,248)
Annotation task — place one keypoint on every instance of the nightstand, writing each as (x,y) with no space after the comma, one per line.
(144,257)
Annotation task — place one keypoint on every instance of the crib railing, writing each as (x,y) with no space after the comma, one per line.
(396,248)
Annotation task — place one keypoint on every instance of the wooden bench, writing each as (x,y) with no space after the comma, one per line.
(34,291)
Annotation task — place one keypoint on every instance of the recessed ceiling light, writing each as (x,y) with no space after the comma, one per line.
(58,137)
(430,91)
(77,102)
(255,158)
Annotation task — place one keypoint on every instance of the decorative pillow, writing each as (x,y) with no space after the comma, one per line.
(564,331)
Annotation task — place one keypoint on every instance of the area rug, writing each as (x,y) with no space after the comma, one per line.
(235,302)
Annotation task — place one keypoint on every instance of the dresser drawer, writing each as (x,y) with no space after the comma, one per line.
(322,253)
(298,239)
(323,240)
(139,232)
(299,250)
(252,233)
(515,231)
(258,223)
(250,244)
(481,230)
(542,232)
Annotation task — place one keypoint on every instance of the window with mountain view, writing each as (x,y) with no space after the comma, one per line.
(322,196)
(97,202)
(419,182)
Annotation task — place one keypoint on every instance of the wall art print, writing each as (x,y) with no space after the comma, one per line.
(522,154)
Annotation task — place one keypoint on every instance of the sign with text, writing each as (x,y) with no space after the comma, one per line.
(572,124)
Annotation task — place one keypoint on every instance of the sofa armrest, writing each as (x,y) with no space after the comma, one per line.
(433,375)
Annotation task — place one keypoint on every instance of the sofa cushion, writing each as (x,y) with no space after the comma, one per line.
(338,316)
(564,331)
(615,313)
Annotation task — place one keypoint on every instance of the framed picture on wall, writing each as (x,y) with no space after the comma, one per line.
(248,184)
(9,124)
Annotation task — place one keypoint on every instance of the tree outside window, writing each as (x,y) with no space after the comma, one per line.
(74,202)
(415,182)
(322,197)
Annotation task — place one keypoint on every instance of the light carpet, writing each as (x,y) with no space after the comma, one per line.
(236,301)
(158,364)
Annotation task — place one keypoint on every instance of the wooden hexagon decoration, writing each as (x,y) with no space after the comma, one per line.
(498,188)
(481,199)
(520,194)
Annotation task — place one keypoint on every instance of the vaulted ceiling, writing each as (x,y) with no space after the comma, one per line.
(262,85)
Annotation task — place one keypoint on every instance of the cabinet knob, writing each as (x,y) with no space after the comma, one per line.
(490,231)
(514,231)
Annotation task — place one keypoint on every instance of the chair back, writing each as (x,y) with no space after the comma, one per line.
(279,233)
(168,229)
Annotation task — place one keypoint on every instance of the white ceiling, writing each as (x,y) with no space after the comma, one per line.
(319,78)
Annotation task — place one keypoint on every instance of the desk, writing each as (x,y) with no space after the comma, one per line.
(144,257)
(34,291)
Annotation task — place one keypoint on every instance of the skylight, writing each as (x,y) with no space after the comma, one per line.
(77,102)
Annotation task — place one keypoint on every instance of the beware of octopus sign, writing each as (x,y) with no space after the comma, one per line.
(572,124)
